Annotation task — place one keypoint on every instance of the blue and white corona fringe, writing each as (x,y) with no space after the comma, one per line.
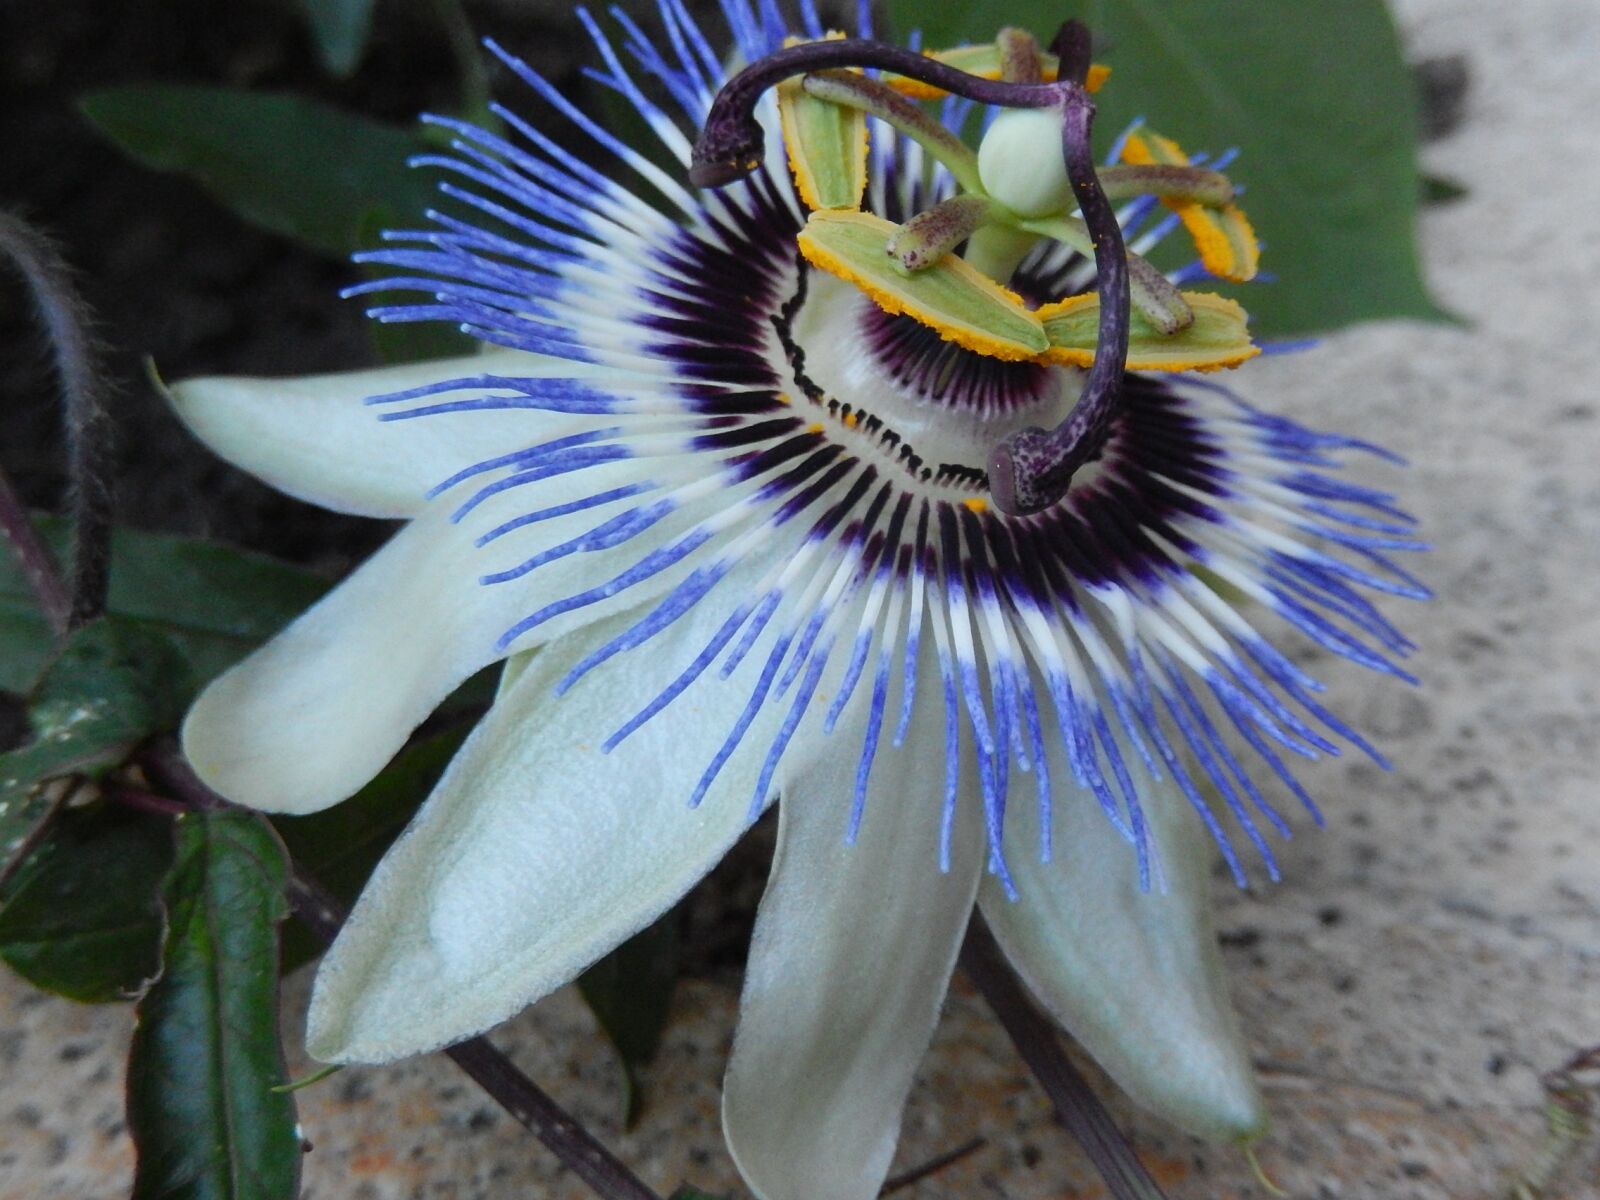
(720,491)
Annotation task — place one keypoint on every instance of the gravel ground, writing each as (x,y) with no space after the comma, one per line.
(1429,954)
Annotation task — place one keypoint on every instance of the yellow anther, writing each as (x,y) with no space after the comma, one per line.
(1217,338)
(984,62)
(1223,236)
(951,297)
(826,144)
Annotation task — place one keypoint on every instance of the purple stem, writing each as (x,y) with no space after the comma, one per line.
(147,802)
(39,565)
(1035,1039)
(322,913)
(84,392)
(731,145)
(1032,468)
(899,1183)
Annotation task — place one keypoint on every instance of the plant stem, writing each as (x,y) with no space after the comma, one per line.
(605,1174)
(933,1166)
(84,391)
(322,913)
(39,565)
(1035,1039)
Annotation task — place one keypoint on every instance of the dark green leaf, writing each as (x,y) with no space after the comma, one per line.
(216,603)
(340,29)
(1436,189)
(83,919)
(205,1122)
(689,1192)
(340,846)
(1318,101)
(630,993)
(292,165)
(115,683)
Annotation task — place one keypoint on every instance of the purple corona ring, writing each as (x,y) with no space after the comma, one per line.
(841,465)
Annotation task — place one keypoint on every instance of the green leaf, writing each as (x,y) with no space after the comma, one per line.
(294,166)
(340,29)
(83,919)
(630,993)
(689,1192)
(1315,96)
(205,1122)
(340,846)
(26,810)
(1436,189)
(214,602)
(114,684)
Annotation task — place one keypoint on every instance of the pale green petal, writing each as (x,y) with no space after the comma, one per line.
(311,716)
(1135,976)
(539,852)
(851,958)
(313,438)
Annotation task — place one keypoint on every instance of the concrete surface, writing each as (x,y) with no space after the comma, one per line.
(1428,955)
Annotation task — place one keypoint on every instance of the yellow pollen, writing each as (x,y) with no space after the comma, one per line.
(1227,245)
(975,504)
(961,57)
(784,398)
(965,335)
(817,428)
(851,420)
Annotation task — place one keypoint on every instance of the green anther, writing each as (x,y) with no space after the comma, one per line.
(1216,337)
(935,232)
(963,305)
(827,147)
(852,90)
(1019,56)
(1127,180)
(1151,293)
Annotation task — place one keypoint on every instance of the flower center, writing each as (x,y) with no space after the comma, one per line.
(900,392)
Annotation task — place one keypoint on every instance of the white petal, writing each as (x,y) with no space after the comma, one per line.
(311,716)
(851,958)
(538,853)
(1135,976)
(313,438)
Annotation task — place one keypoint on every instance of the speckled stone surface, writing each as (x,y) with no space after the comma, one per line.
(1428,955)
